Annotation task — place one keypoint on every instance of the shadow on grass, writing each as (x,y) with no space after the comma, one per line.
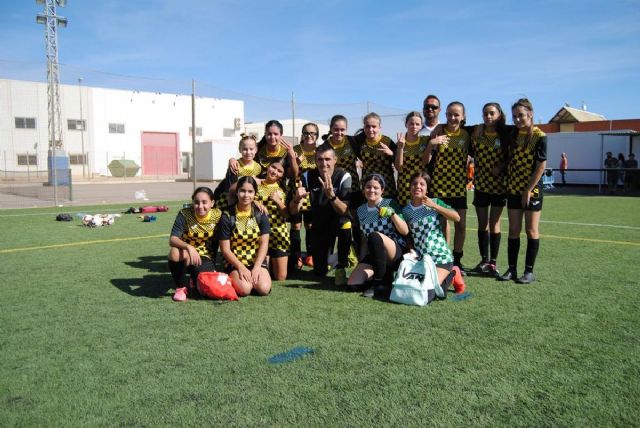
(152,286)
(150,263)
(306,279)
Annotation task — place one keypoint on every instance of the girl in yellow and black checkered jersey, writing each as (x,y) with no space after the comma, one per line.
(526,163)
(272,195)
(244,241)
(192,241)
(409,159)
(490,147)
(306,156)
(451,144)
(377,153)
(246,166)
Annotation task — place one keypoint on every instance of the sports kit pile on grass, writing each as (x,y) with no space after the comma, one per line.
(91,336)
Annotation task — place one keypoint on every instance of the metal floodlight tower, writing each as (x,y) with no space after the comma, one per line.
(51,22)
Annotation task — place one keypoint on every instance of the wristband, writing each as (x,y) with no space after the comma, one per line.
(334,198)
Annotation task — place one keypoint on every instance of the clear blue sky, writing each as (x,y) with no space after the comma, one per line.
(346,52)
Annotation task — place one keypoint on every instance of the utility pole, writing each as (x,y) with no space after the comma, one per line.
(84,157)
(51,21)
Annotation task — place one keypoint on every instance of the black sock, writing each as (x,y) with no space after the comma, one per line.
(344,246)
(307,241)
(483,245)
(457,256)
(378,255)
(177,273)
(513,248)
(495,246)
(294,247)
(532,253)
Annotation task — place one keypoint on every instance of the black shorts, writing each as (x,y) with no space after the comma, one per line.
(457,203)
(483,199)
(274,252)
(514,202)
(302,216)
(230,268)
(445,266)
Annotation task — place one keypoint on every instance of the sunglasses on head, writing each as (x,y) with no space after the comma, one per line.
(309,134)
(431,107)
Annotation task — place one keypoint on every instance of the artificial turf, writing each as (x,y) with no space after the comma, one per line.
(91,337)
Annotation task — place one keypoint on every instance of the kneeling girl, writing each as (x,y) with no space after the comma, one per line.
(244,241)
(193,247)
(426,219)
(382,230)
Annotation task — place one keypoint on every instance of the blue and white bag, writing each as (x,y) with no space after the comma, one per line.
(416,281)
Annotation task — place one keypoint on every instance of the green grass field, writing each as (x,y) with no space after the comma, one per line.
(91,337)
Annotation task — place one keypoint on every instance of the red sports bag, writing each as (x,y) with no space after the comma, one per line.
(216,285)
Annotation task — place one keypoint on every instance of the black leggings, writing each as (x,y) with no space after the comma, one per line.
(377,256)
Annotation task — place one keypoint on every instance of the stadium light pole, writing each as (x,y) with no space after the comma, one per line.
(51,21)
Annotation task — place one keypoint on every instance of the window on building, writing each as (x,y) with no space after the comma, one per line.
(228,132)
(26,123)
(198,131)
(75,124)
(27,159)
(116,128)
(77,159)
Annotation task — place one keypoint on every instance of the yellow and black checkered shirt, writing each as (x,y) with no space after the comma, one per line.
(197,232)
(346,159)
(450,172)
(523,155)
(265,158)
(376,161)
(244,235)
(411,165)
(308,163)
(252,169)
(307,159)
(487,155)
(279,235)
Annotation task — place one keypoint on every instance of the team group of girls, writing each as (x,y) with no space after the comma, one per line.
(248,215)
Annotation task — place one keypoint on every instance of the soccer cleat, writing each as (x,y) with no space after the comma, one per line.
(492,271)
(527,278)
(458,282)
(180,294)
(481,268)
(341,277)
(369,292)
(308,261)
(509,275)
(381,292)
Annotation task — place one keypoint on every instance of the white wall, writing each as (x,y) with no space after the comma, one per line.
(583,151)
(138,111)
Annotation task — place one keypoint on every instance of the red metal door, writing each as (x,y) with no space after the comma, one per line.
(160,153)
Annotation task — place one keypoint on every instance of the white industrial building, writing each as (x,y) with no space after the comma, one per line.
(101,125)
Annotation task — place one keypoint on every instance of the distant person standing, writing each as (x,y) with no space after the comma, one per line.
(430,111)
(564,164)
(621,165)
(630,176)
(611,165)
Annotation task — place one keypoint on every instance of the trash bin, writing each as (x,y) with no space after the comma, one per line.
(123,168)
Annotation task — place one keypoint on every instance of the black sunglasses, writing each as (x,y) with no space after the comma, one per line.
(309,134)
(431,107)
